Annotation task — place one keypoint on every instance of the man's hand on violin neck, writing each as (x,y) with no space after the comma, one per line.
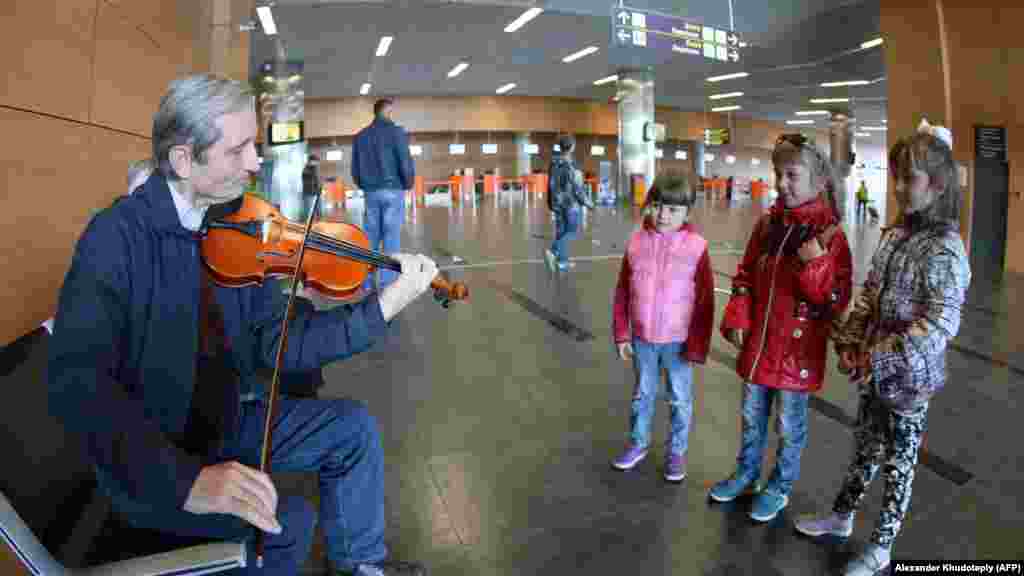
(418,272)
(236,489)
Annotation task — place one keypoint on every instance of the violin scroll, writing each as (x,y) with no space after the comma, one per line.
(445,292)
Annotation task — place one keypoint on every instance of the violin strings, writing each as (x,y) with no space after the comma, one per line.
(348,248)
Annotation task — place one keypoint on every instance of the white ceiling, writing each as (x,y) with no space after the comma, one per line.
(794,46)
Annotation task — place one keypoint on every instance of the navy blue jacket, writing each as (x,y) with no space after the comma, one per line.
(123,355)
(381,157)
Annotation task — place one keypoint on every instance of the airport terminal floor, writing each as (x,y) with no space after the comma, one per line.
(500,417)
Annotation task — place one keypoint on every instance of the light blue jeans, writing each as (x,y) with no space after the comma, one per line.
(385,212)
(648,361)
(567,224)
(791,426)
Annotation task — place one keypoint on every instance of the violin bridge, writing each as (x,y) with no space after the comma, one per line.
(270,231)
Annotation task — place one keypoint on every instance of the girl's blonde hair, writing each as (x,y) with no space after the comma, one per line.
(929,154)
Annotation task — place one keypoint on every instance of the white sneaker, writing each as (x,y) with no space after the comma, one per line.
(833,524)
(873,560)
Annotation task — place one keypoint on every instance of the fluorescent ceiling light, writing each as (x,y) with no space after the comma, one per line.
(847,83)
(365,89)
(726,95)
(266,20)
(606,80)
(333,156)
(728,76)
(577,55)
(506,88)
(725,108)
(885,121)
(523,19)
(813,113)
(872,43)
(828,100)
(799,122)
(743,44)
(458,69)
(385,43)
(863,134)
(874,128)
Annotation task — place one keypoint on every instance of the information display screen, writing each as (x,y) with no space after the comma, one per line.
(285,133)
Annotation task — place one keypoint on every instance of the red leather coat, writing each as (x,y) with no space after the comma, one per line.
(786,306)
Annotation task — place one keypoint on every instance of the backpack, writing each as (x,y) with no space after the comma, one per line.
(561,183)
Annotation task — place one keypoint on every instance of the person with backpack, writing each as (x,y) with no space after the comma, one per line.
(565,196)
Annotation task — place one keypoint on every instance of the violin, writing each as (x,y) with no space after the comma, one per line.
(255,242)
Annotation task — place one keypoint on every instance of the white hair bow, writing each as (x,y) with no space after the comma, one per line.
(940,132)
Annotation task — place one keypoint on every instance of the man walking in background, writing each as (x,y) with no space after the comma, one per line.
(383,169)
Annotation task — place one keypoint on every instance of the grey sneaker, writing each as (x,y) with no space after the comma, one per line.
(549,257)
(390,568)
(872,561)
(832,524)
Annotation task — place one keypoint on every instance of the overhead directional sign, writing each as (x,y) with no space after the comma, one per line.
(716,136)
(637,28)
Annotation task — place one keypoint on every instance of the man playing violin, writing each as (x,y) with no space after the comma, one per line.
(175,440)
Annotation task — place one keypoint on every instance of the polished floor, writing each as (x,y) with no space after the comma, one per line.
(500,416)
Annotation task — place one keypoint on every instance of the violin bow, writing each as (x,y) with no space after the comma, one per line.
(275,381)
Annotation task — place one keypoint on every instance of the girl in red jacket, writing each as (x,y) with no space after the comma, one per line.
(794,280)
(663,313)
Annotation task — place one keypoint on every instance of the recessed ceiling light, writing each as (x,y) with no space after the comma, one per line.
(523,19)
(846,83)
(828,100)
(812,113)
(799,122)
(872,43)
(458,69)
(606,80)
(577,55)
(728,76)
(266,20)
(726,95)
(365,89)
(385,43)
(506,88)
(726,108)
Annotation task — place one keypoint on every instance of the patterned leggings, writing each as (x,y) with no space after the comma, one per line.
(882,434)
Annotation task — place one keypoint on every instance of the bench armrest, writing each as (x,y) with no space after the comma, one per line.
(192,561)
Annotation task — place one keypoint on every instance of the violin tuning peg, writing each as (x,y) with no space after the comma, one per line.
(446,303)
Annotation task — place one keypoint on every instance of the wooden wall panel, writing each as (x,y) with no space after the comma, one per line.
(132,72)
(55,176)
(47,48)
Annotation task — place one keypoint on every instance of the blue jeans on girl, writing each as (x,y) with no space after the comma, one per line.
(791,426)
(648,361)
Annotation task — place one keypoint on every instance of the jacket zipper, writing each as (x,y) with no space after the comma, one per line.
(771,297)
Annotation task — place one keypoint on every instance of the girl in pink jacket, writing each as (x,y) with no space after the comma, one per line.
(663,317)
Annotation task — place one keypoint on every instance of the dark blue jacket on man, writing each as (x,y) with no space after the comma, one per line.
(381,157)
(123,357)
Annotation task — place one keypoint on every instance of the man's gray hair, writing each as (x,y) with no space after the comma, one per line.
(187,115)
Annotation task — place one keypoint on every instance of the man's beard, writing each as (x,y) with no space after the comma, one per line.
(225,193)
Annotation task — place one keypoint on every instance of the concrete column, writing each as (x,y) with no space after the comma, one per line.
(220,47)
(285,102)
(636,108)
(841,151)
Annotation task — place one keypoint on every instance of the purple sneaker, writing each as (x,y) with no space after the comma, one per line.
(675,467)
(630,458)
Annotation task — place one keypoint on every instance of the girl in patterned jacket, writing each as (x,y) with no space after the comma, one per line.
(893,345)
(663,316)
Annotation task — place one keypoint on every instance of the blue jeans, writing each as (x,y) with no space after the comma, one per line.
(338,439)
(648,361)
(567,224)
(385,211)
(791,426)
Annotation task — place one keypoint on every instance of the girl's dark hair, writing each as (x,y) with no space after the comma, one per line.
(925,152)
(671,188)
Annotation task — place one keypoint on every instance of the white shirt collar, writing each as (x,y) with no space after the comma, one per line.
(191,217)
